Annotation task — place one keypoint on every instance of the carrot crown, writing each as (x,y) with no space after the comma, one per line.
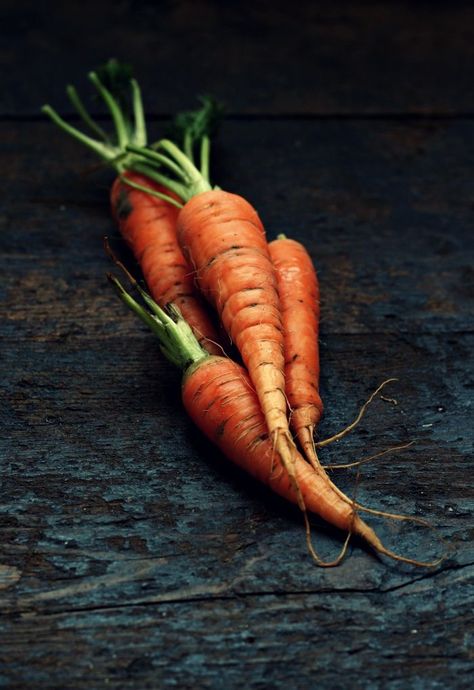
(176,339)
(187,165)
(109,82)
(127,149)
(124,149)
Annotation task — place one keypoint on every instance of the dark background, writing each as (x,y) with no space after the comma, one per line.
(131,554)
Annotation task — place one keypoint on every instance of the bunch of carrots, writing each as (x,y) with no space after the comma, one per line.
(199,246)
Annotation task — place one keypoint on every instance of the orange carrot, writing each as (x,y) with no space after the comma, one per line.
(218,396)
(148,224)
(224,239)
(145,210)
(299,297)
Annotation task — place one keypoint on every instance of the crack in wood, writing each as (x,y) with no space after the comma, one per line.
(201,593)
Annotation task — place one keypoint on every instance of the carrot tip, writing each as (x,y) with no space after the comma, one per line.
(368,534)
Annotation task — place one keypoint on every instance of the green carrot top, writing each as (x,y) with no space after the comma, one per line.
(183,174)
(176,339)
(126,148)
(111,82)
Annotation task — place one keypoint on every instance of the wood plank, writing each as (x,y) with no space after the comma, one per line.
(259,57)
(130,552)
(259,641)
(115,513)
(384,208)
(85,460)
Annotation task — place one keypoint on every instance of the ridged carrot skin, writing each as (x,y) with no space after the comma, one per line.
(148,224)
(219,397)
(224,239)
(299,297)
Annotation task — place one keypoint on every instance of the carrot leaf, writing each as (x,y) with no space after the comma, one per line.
(196,128)
(116,77)
(159,158)
(196,124)
(163,162)
(176,339)
(82,111)
(125,149)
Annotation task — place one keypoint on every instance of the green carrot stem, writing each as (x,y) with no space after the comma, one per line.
(114,109)
(153,192)
(139,135)
(197,184)
(180,157)
(188,145)
(156,176)
(82,111)
(176,339)
(103,150)
(205,156)
(159,158)
(133,304)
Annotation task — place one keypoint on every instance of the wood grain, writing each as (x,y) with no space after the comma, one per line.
(384,208)
(131,554)
(259,57)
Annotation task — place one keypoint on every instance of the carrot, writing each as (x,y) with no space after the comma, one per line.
(218,395)
(148,224)
(299,296)
(145,210)
(224,240)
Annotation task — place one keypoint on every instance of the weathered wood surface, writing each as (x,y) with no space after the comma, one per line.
(385,208)
(260,57)
(131,554)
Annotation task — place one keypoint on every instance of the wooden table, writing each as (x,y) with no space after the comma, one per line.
(131,554)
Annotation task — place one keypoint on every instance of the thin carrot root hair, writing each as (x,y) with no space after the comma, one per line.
(380,548)
(339,558)
(375,542)
(370,458)
(352,425)
(370,537)
(301,504)
(113,256)
(313,553)
(312,456)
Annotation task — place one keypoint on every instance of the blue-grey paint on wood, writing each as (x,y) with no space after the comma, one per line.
(131,554)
